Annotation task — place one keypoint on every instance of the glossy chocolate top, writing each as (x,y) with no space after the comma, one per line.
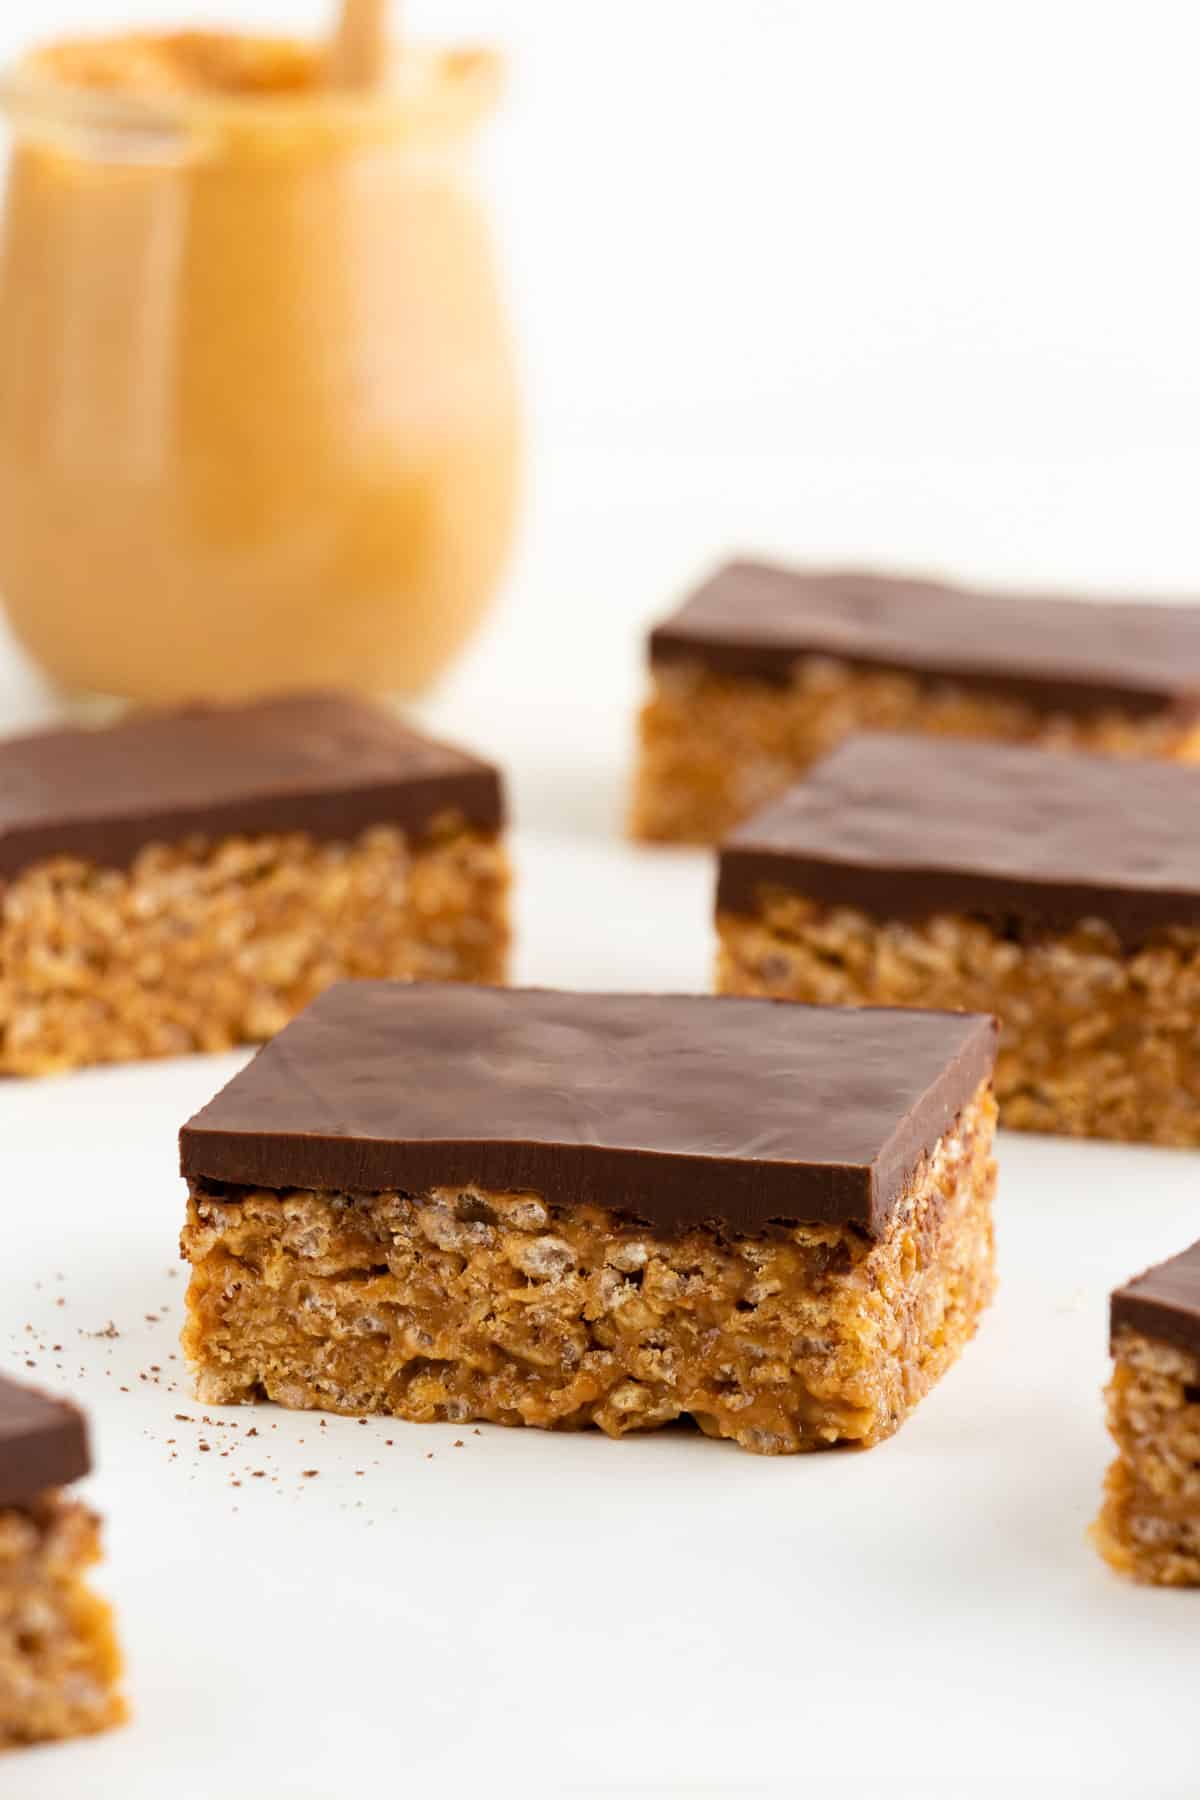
(43,1443)
(753,620)
(1164,1303)
(675,1111)
(903,827)
(324,763)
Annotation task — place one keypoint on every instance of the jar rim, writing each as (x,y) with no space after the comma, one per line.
(435,92)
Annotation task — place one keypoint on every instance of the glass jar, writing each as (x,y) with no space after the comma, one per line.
(258,419)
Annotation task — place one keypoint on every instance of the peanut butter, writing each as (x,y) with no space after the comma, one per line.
(257,409)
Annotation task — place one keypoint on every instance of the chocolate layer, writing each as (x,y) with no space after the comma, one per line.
(43,1443)
(904,827)
(753,621)
(678,1111)
(326,764)
(1164,1303)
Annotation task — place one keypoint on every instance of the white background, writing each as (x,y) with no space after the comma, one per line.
(915,284)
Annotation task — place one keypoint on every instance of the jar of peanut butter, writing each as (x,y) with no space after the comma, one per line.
(258,421)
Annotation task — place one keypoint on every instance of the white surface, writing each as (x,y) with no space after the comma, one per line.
(911,283)
(564,1615)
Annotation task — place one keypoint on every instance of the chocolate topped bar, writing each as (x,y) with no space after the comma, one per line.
(904,827)
(327,764)
(1164,1303)
(43,1443)
(754,621)
(691,1110)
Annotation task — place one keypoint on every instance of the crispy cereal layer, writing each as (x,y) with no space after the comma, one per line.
(467,1305)
(714,749)
(1150,1523)
(59,1662)
(1096,1041)
(202,946)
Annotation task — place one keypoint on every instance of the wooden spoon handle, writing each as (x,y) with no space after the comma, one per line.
(358,51)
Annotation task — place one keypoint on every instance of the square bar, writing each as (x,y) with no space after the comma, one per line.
(563,1210)
(1150,1523)
(189,880)
(59,1662)
(766,669)
(1059,891)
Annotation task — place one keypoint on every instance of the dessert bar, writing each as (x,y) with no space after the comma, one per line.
(765,669)
(553,1209)
(59,1663)
(189,880)
(1060,891)
(1150,1524)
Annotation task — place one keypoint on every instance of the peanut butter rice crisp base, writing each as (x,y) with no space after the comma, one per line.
(189,880)
(765,670)
(1149,1525)
(567,1210)
(59,1661)
(1061,892)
